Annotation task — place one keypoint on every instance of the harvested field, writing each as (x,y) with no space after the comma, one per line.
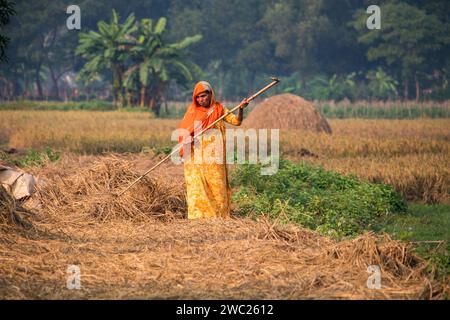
(141,247)
(411,155)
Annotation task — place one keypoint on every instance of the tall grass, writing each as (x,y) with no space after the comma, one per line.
(384,110)
(84,132)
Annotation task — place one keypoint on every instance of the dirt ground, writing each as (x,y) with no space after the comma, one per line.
(169,257)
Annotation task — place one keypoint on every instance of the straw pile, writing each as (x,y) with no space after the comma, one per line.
(92,191)
(12,215)
(123,252)
(287,111)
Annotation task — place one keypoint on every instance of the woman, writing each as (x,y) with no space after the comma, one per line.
(208,190)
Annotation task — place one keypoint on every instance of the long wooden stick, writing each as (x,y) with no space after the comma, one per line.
(178,147)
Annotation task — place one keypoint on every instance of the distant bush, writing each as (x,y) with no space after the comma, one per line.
(383,110)
(328,202)
(93,105)
(57,105)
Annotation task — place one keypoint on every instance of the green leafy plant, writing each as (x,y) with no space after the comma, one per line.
(161,150)
(34,158)
(328,202)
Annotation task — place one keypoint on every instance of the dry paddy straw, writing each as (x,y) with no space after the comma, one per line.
(93,190)
(139,246)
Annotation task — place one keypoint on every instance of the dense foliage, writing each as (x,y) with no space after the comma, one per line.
(322,49)
(321,200)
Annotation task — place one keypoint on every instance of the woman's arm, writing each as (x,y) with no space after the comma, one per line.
(233,119)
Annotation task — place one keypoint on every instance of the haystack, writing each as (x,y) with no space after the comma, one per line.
(91,191)
(287,111)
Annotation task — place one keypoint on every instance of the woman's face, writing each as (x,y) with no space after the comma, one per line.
(204,99)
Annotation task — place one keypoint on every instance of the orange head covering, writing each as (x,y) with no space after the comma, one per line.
(198,114)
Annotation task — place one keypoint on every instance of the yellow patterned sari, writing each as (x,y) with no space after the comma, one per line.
(208,190)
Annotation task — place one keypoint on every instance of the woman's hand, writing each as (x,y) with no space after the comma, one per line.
(243,104)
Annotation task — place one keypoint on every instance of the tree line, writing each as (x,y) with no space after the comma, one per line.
(322,49)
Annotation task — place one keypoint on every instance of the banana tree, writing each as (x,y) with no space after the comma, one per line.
(381,84)
(148,41)
(107,49)
(156,63)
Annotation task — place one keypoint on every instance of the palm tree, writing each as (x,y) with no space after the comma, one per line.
(156,63)
(107,49)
